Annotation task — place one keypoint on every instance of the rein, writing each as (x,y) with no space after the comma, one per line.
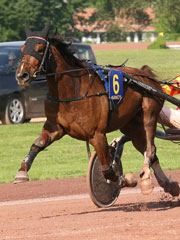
(67,100)
(67,71)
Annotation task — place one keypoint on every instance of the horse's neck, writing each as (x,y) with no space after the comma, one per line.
(57,62)
(70,81)
(58,67)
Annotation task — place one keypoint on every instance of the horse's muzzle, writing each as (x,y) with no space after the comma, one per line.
(23,79)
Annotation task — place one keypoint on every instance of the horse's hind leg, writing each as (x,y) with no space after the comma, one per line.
(164,182)
(136,132)
(49,134)
(141,131)
(144,143)
(150,120)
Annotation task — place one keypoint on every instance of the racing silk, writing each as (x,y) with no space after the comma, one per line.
(172,91)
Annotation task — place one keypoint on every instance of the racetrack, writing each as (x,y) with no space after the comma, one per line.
(62,209)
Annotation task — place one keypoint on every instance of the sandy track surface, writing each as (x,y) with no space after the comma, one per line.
(62,209)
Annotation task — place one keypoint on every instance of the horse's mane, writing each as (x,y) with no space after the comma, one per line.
(63,48)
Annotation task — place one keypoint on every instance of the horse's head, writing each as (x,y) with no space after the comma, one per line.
(34,53)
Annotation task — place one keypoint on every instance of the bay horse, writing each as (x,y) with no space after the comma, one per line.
(78,105)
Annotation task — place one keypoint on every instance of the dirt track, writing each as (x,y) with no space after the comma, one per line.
(62,209)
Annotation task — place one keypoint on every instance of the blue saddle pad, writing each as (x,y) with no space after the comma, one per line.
(113,81)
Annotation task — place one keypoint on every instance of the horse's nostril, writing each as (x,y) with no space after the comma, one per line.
(25,76)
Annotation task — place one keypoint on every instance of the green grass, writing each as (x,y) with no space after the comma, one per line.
(68,157)
(164,62)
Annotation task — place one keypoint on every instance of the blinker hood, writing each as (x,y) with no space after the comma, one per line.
(31,42)
(30,48)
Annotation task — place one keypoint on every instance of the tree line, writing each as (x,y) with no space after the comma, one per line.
(14,14)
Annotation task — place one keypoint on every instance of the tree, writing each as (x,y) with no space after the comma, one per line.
(14,14)
(120,15)
(113,9)
(115,33)
(167,15)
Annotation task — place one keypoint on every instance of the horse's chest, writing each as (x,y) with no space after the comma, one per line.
(75,124)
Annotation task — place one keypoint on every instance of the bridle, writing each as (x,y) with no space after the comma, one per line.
(35,54)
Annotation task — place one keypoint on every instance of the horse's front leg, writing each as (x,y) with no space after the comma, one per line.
(100,144)
(49,134)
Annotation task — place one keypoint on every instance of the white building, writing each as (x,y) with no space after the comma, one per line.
(95,32)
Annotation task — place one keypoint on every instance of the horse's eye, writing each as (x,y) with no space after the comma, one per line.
(40,50)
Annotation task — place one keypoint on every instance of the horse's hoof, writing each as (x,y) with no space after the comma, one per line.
(130,180)
(146,186)
(21,176)
(174,189)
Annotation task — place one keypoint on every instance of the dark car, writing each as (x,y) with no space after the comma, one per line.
(18,105)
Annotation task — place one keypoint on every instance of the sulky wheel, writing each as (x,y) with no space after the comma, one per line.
(102,192)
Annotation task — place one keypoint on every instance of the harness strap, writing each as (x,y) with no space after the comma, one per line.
(97,69)
(43,60)
(56,99)
(37,37)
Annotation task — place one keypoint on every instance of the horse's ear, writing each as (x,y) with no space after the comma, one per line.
(46,29)
(28,30)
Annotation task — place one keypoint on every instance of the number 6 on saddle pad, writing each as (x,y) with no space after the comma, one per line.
(115,85)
